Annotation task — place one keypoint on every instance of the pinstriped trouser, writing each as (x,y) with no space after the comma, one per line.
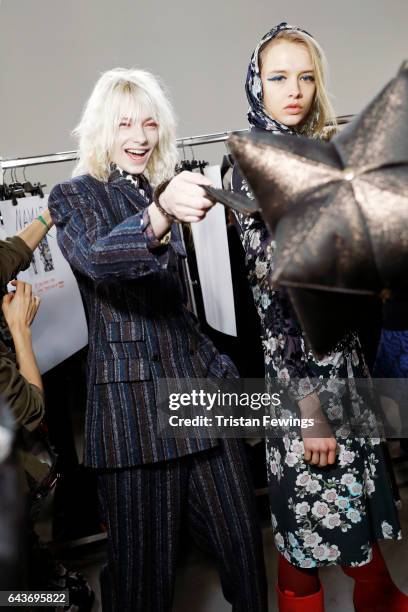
(210,494)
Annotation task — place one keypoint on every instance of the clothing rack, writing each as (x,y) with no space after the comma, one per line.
(66,156)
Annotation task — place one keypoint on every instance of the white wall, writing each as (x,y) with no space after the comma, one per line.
(52,51)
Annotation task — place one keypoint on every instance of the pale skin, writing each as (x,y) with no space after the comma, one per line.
(289,90)
(184,197)
(20,307)
(288,82)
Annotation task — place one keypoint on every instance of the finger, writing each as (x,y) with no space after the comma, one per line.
(307,455)
(315,458)
(192,219)
(28,290)
(19,287)
(191,190)
(7,299)
(37,302)
(323,459)
(331,457)
(187,211)
(196,201)
(32,310)
(205,203)
(196,178)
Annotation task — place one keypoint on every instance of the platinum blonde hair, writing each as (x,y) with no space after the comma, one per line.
(122,93)
(321,120)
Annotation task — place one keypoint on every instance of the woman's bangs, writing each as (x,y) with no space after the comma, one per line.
(132,104)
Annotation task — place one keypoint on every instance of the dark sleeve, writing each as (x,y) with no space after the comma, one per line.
(15,256)
(127,252)
(25,400)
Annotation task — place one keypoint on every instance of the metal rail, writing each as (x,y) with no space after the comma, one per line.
(66,156)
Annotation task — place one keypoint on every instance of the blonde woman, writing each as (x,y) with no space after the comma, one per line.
(124,249)
(326,508)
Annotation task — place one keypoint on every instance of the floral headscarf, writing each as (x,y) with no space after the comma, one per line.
(257,115)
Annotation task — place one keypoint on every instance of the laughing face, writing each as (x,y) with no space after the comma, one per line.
(136,139)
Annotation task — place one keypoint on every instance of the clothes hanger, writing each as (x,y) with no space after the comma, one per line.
(16,188)
(35,189)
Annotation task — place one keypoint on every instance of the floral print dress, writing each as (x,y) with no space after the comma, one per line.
(320,516)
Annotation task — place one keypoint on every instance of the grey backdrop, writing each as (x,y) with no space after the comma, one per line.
(52,51)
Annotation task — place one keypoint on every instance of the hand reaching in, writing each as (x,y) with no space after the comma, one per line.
(20,307)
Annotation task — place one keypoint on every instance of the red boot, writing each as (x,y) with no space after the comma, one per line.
(288,602)
(374,590)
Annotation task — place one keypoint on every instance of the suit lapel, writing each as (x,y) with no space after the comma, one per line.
(125,200)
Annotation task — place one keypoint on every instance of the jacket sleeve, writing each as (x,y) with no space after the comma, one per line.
(25,400)
(127,252)
(15,256)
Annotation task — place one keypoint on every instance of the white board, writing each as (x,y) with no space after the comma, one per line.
(59,329)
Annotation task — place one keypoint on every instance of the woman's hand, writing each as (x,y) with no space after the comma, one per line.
(319,443)
(20,307)
(184,197)
(320,451)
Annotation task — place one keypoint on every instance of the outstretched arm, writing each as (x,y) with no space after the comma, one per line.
(16,252)
(132,248)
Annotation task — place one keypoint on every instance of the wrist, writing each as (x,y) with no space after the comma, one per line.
(20,331)
(43,222)
(162,201)
(47,217)
(159,200)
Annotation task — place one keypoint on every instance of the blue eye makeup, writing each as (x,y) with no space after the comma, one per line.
(276,79)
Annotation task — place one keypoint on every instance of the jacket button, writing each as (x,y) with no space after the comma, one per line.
(155,357)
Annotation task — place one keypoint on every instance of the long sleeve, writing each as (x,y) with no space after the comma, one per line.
(126,252)
(15,256)
(286,356)
(25,400)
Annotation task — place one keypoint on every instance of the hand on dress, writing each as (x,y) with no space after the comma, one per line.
(185,199)
(319,443)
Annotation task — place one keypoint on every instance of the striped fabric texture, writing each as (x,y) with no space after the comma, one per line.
(139,329)
(209,496)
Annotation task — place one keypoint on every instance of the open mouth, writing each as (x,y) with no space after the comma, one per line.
(137,155)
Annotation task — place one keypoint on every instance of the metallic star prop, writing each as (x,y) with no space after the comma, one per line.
(338,212)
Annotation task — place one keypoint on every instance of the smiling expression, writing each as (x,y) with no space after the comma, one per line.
(136,139)
(288,82)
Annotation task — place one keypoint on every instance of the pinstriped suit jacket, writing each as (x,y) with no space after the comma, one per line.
(139,329)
